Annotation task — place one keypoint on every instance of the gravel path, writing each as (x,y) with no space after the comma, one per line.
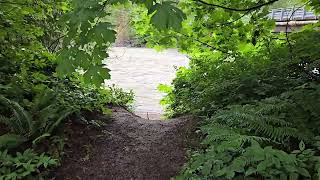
(128,147)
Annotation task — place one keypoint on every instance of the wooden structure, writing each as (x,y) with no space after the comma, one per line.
(291,19)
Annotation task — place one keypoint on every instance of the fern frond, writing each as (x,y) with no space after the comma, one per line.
(226,138)
(59,119)
(43,99)
(21,122)
(4,120)
(277,133)
(45,117)
(265,119)
(274,120)
(23,118)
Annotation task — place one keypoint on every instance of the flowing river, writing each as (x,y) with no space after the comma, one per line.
(142,70)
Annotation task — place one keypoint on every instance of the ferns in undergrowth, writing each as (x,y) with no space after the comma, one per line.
(226,138)
(230,153)
(265,139)
(270,118)
(35,124)
(20,122)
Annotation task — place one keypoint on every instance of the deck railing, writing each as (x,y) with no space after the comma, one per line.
(285,14)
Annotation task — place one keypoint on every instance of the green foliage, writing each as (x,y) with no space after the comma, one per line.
(165,89)
(287,4)
(88,35)
(232,139)
(250,161)
(86,43)
(272,118)
(258,90)
(24,165)
(166,16)
(80,96)
(34,125)
(281,121)
(8,141)
(36,100)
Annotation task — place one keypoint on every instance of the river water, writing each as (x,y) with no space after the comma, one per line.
(142,70)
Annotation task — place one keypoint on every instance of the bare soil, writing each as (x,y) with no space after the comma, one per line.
(127,147)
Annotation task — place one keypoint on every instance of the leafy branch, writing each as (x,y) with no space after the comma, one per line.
(51,47)
(206,44)
(287,27)
(236,9)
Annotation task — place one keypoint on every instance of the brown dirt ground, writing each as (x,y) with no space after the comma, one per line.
(127,147)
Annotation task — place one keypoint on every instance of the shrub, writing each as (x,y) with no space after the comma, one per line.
(26,165)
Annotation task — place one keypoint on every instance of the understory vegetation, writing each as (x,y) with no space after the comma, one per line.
(52,73)
(257,92)
(35,101)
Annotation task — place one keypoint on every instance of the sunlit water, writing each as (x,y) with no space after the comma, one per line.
(142,70)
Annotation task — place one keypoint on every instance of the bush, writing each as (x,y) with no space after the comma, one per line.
(256,91)
(24,165)
(35,100)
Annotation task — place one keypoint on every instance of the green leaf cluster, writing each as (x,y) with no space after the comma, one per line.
(35,100)
(88,35)
(24,165)
(33,125)
(257,91)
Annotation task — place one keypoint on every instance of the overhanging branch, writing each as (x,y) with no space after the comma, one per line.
(236,9)
(205,44)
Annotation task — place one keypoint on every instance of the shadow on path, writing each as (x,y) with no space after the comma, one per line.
(128,147)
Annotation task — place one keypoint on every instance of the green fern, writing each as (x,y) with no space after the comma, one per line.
(44,99)
(218,132)
(45,118)
(237,157)
(266,119)
(21,122)
(4,120)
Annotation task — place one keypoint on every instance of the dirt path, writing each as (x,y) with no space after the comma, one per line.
(128,147)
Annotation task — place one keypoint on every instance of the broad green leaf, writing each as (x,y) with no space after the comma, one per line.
(250,171)
(65,67)
(166,16)
(82,59)
(8,141)
(99,52)
(65,63)
(102,33)
(148,3)
(165,88)
(246,47)
(84,11)
(304,172)
(262,166)
(96,75)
